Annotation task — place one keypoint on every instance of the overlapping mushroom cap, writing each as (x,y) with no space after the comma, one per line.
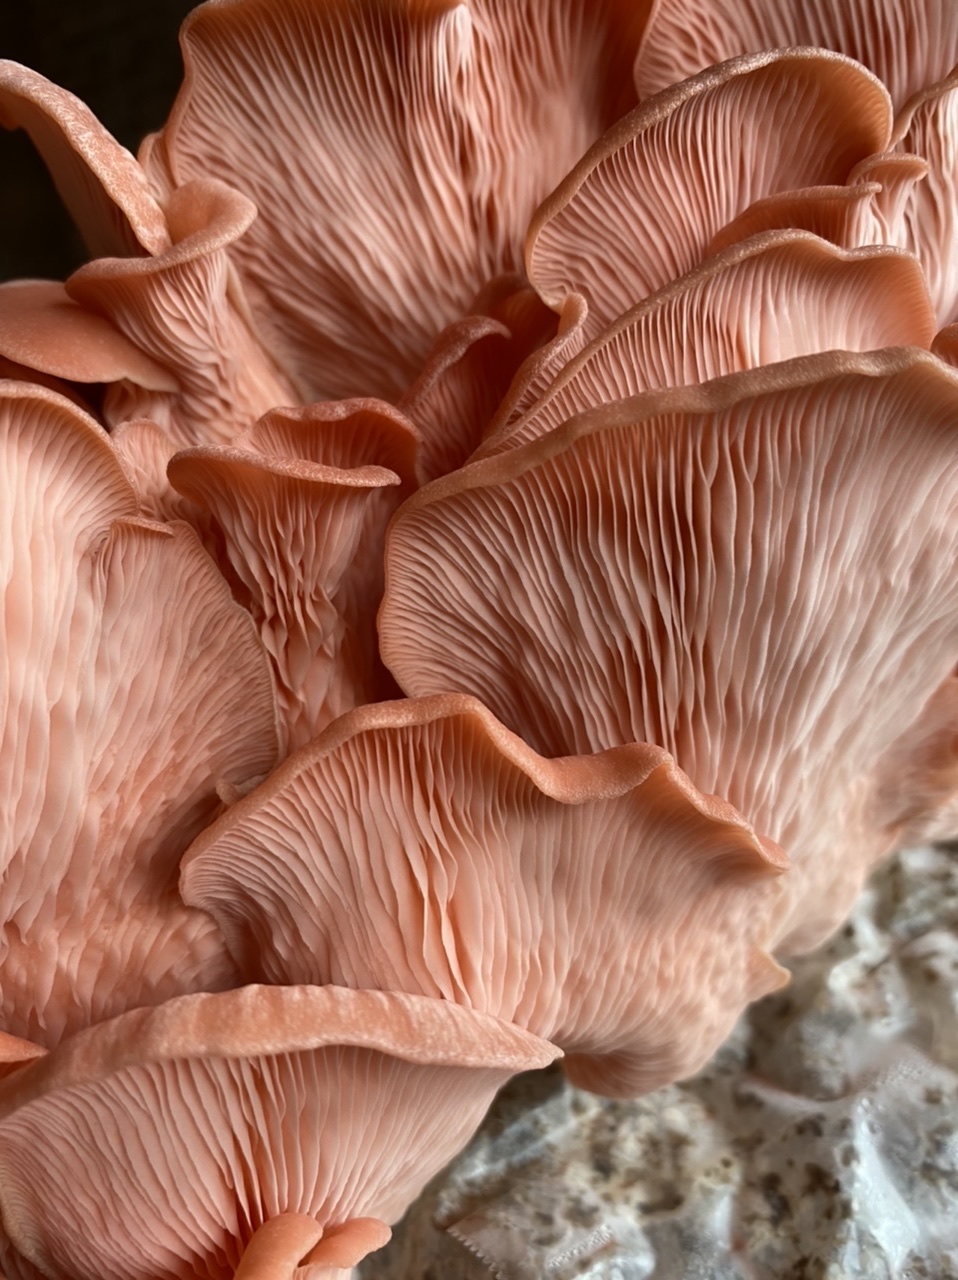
(599,901)
(302,503)
(433,127)
(712,570)
(132,688)
(690,160)
(741,594)
(717,320)
(907,43)
(184,1132)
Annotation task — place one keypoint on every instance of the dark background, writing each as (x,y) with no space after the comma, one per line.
(123,60)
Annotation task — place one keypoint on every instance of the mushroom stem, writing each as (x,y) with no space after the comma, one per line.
(278,1247)
(346,1245)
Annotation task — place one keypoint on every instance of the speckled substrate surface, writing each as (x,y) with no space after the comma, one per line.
(820,1144)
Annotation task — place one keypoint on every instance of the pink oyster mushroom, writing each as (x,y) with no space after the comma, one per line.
(133,689)
(248,1132)
(697,592)
(263,282)
(713,570)
(301,503)
(599,901)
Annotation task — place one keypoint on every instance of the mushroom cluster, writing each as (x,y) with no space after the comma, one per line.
(478,584)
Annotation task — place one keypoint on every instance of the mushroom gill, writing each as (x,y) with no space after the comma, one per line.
(717,320)
(185,309)
(774,121)
(231,1111)
(599,901)
(395,151)
(132,687)
(301,504)
(906,43)
(711,570)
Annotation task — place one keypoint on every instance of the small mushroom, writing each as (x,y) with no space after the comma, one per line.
(302,509)
(184,308)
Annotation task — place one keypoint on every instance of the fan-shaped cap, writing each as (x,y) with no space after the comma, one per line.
(395,151)
(184,308)
(131,685)
(717,320)
(869,209)
(644,203)
(226,1111)
(907,43)
(98,180)
(463,380)
(928,126)
(712,570)
(599,901)
(42,328)
(303,509)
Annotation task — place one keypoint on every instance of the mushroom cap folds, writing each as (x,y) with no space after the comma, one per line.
(185,308)
(132,686)
(717,320)
(690,160)
(395,151)
(906,43)
(868,209)
(712,570)
(223,1112)
(928,220)
(302,507)
(599,901)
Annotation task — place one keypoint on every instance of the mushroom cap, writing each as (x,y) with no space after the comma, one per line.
(184,308)
(906,43)
(928,127)
(717,320)
(868,209)
(599,901)
(42,328)
(302,508)
(100,183)
(132,687)
(687,162)
(712,570)
(226,1111)
(395,151)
